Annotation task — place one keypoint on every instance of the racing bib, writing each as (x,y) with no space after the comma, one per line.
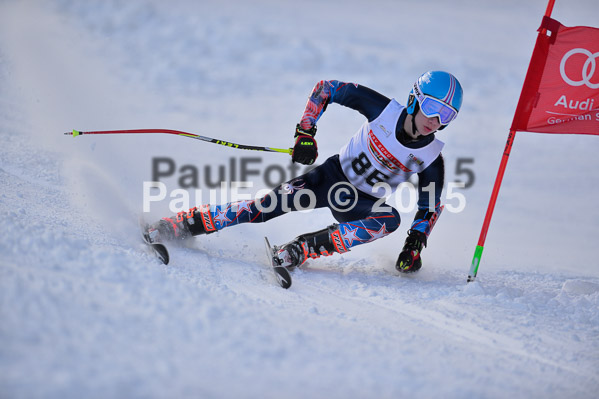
(374,155)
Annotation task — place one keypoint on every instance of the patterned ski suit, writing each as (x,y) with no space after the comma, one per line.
(353,184)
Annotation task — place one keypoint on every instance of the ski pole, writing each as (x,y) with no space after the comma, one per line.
(76,133)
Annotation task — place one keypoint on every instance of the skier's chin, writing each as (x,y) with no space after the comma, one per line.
(426,132)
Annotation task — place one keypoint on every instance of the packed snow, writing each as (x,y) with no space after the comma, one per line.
(87,312)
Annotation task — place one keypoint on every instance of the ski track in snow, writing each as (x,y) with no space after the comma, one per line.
(86,311)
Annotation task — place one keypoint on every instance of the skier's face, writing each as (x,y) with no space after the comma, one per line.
(426,126)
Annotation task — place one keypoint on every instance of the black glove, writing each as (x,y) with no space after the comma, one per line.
(409,259)
(305,150)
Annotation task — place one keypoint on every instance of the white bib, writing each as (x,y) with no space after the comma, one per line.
(373,155)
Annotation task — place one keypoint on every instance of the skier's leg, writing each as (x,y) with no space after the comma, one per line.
(338,237)
(207,219)
(296,194)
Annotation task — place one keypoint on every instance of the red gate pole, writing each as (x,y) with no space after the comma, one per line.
(506,154)
(483,234)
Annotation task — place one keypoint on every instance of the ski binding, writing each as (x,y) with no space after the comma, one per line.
(281,272)
(158,249)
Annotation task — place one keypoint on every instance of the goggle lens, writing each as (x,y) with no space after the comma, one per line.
(432,107)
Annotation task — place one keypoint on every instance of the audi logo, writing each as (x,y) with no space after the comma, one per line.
(588,69)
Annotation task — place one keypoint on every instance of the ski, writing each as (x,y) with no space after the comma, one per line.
(281,272)
(159,250)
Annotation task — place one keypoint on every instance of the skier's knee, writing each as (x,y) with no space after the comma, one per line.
(391,218)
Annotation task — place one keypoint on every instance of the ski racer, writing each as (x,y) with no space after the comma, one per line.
(395,142)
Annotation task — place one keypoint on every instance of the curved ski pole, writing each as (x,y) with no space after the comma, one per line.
(76,133)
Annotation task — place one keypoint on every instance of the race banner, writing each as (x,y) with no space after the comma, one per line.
(561,90)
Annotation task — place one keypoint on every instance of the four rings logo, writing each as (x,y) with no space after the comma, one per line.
(588,69)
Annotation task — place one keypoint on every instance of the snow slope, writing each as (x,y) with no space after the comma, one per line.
(86,312)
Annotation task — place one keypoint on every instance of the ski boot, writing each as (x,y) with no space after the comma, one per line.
(179,227)
(324,242)
(409,259)
(165,230)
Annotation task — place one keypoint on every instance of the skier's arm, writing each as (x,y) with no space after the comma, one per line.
(431,179)
(430,186)
(364,100)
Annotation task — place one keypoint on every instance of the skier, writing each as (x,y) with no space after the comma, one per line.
(395,142)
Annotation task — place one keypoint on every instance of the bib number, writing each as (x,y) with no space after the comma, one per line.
(361,167)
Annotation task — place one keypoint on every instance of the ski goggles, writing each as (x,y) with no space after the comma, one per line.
(431,106)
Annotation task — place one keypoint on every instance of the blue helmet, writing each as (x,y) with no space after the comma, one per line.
(436,93)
